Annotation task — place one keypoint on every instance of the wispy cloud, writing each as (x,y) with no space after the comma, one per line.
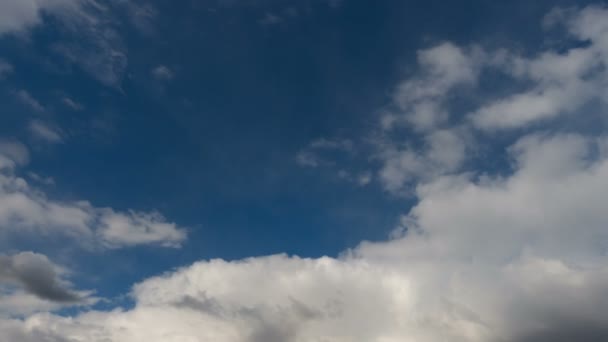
(70,103)
(45,132)
(17,15)
(5,68)
(163,73)
(27,99)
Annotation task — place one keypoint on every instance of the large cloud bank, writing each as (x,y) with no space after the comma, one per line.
(521,258)
(516,257)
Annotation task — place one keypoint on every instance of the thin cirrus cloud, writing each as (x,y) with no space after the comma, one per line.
(29,100)
(515,257)
(45,132)
(89,31)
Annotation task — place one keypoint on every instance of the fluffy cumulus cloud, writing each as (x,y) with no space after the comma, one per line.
(519,256)
(562,82)
(544,86)
(27,210)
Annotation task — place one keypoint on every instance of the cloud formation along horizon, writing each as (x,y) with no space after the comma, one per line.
(520,257)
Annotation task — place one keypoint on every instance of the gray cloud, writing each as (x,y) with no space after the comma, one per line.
(37,275)
(27,99)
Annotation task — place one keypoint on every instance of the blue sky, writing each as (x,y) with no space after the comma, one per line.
(250,167)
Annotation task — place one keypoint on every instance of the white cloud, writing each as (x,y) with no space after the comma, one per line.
(443,152)
(419,100)
(44,131)
(562,82)
(135,228)
(486,260)
(556,83)
(14,151)
(27,210)
(72,104)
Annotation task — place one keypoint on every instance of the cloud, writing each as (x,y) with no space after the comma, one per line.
(30,283)
(27,210)
(5,68)
(41,179)
(519,255)
(335,3)
(13,152)
(45,132)
(27,99)
(89,34)
(443,152)
(305,158)
(270,19)
(163,73)
(324,152)
(37,275)
(142,15)
(92,41)
(484,259)
(419,100)
(135,228)
(17,15)
(421,135)
(315,154)
(72,104)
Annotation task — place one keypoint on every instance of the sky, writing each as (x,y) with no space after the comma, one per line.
(303,171)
